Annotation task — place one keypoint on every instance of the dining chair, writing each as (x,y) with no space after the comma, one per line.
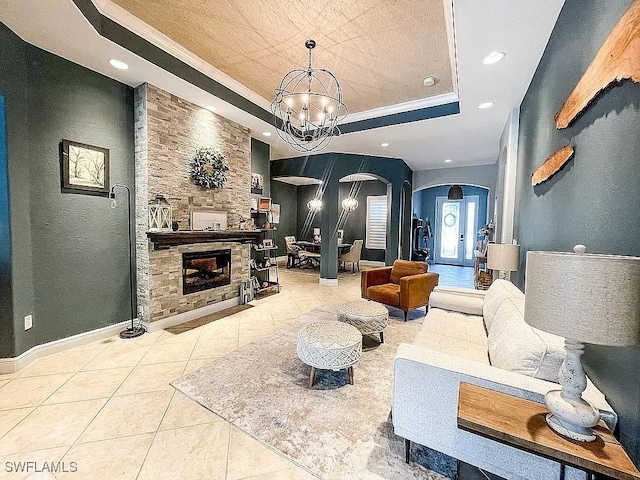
(353,255)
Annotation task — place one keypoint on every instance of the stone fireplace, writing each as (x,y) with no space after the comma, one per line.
(168,132)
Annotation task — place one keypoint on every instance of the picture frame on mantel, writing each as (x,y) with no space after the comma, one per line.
(264,204)
(85,168)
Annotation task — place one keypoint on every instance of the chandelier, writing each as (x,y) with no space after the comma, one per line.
(349,204)
(309,103)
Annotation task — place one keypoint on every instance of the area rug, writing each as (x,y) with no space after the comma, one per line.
(334,430)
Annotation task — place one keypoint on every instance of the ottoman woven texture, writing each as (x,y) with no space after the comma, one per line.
(329,345)
(366,316)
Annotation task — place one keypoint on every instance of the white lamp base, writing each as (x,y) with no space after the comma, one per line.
(577,432)
(571,415)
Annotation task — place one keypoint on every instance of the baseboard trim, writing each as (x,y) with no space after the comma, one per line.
(328,282)
(15,364)
(190,315)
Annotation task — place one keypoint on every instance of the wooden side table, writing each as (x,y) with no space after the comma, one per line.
(521,424)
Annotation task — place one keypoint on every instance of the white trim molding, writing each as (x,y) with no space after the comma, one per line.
(328,282)
(14,364)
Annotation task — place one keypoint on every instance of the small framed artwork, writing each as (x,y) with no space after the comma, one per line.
(267,243)
(264,204)
(204,218)
(254,204)
(257,183)
(85,167)
(275,213)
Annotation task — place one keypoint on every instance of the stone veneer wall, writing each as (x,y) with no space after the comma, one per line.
(168,132)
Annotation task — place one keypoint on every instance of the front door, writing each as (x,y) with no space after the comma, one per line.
(456,222)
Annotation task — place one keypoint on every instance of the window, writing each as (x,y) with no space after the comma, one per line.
(377,222)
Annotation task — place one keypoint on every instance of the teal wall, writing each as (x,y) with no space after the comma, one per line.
(329,168)
(286,196)
(69,252)
(6,308)
(595,199)
(260,152)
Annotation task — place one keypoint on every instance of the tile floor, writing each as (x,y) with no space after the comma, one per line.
(452,276)
(108,406)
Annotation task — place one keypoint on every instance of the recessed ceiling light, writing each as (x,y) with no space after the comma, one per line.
(384,145)
(211,108)
(118,64)
(448,160)
(266,134)
(430,81)
(486,105)
(493,57)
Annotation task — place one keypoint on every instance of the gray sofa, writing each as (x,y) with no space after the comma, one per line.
(478,337)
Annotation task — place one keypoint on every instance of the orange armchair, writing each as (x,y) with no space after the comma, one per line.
(406,285)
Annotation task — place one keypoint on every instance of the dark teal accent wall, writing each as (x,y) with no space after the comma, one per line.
(69,251)
(260,153)
(595,198)
(330,167)
(424,206)
(6,308)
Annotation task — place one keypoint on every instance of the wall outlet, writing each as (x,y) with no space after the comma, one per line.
(28,322)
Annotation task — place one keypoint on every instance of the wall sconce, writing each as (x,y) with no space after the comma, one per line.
(160,214)
(314,205)
(349,204)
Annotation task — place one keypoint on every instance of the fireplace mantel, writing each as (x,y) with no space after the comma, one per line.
(162,240)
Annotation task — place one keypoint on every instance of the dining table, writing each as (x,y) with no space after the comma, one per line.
(315,246)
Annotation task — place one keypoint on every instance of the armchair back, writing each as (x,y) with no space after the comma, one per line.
(402,268)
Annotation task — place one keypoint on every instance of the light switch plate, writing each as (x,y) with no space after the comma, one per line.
(28,322)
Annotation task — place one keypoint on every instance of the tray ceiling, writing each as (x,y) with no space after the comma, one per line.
(380,51)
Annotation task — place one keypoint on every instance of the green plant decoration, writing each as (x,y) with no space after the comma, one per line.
(209,168)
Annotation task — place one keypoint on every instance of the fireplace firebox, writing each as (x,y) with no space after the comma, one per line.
(205,270)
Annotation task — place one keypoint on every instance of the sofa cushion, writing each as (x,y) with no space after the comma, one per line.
(387,293)
(453,333)
(402,268)
(518,347)
(499,291)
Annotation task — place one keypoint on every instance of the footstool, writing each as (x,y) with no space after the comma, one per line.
(329,345)
(367,316)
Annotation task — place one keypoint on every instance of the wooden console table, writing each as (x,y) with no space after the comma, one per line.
(521,424)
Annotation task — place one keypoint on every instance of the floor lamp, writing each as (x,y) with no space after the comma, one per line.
(132,331)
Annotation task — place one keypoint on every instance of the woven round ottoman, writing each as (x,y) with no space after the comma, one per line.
(367,316)
(329,345)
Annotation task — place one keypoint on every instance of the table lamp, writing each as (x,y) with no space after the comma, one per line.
(503,257)
(586,298)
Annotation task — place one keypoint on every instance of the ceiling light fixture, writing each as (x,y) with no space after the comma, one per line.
(211,108)
(493,57)
(430,81)
(266,134)
(120,65)
(384,145)
(309,103)
(486,105)
(448,160)
(455,193)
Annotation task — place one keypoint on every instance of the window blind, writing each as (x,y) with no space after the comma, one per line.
(377,222)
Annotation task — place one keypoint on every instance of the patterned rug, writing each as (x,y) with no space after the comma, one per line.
(335,430)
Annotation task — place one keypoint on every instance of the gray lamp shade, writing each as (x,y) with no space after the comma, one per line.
(503,257)
(584,297)
(455,193)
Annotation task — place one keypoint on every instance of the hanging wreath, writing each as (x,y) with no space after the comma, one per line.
(209,168)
